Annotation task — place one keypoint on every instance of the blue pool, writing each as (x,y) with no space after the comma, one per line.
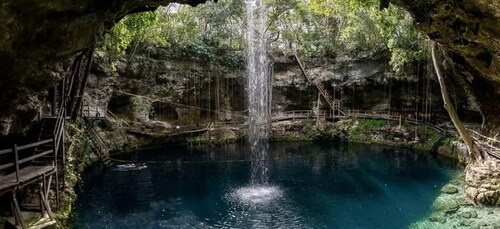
(311,185)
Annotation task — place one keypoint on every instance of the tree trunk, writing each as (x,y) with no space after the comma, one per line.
(474,153)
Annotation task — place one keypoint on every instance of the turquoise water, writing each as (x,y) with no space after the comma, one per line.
(311,185)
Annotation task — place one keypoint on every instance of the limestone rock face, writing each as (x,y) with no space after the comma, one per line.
(482,182)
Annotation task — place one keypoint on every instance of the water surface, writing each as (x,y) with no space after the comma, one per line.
(311,185)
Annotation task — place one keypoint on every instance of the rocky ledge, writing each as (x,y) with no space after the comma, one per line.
(482,182)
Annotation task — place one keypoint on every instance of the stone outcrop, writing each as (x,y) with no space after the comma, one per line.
(482,182)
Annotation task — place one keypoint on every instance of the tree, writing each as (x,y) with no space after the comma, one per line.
(474,153)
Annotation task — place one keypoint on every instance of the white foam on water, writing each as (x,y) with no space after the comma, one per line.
(256,194)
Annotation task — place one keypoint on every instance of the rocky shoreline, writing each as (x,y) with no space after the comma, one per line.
(453,209)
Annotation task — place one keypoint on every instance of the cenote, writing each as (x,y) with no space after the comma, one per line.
(311,185)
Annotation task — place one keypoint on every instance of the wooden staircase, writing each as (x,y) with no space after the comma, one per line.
(98,144)
(335,106)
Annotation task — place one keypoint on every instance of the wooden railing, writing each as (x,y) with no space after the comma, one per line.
(59,128)
(491,146)
(88,111)
(92,112)
(335,104)
(395,117)
(113,118)
(17,161)
(55,141)
(101,148)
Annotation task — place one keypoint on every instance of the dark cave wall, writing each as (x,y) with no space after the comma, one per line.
(469,34)
(37,39)
(468,29)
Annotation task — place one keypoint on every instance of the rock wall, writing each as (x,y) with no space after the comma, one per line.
(482,182)
(184,92)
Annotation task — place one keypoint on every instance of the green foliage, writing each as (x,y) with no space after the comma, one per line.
(325,27)
(338,134)
(430,138)
(371,124)
(141,107)
(133,30)
(86,146)
(215,32)
(362,128)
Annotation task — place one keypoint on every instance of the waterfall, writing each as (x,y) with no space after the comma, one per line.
(257,89)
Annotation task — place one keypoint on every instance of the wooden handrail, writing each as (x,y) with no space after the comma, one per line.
(320,89)
(31,145)
(16,150)
(39,143)
(5,151)
(36,156)
(6,166)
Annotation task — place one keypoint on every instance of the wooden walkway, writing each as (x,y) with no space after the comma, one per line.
(35,164)
(336,111)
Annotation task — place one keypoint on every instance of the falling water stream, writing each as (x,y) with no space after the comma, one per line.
(258,90)
(259,191)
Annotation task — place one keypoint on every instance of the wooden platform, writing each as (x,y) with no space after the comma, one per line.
(25,175)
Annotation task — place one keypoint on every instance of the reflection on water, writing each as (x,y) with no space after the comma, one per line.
(310,186)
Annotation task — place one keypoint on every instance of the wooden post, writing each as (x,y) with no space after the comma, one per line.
(58,195)
(16,162)
(42,194)
(17,211)
(13,211)
(47,188)
(39,119)
(54,101)
(45,202)
(63,154)
(55,146)
(74,81)
(75,69)
(63,92)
